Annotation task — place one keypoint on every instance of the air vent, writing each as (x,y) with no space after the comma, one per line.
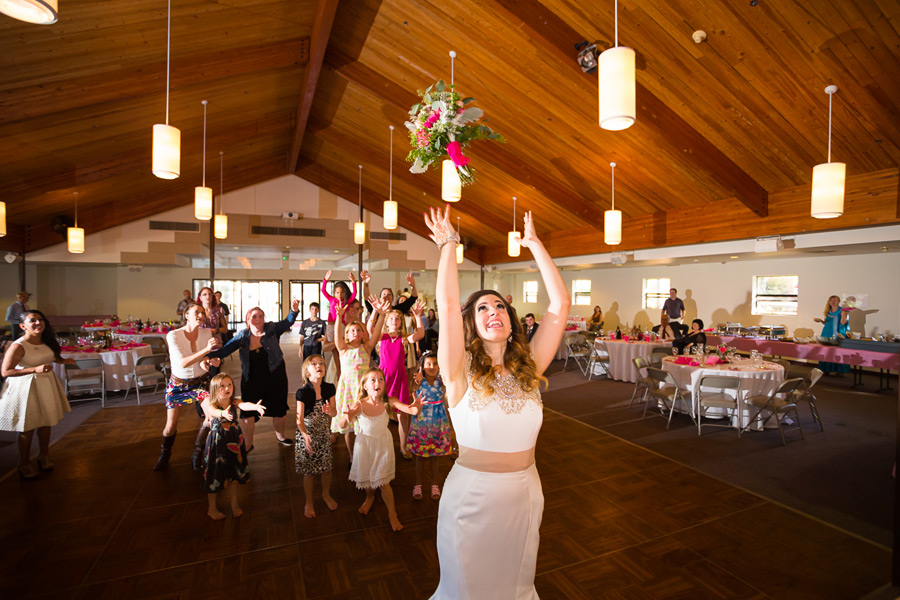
(385,235)
(295,231)
(174,226)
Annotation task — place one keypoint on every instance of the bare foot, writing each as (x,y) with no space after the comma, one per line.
(329,502)
(236,512)
(395,523)
(309,511)
(364,509)
(216,515)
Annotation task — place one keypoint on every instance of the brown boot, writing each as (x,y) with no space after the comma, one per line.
(199,447)
(165,451)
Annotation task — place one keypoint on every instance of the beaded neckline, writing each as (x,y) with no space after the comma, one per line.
(507,393)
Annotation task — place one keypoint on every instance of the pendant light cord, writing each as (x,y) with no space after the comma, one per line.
(168,57)
(360,191)
(391,168)
(203,102)
(617,23)
(830,99)
(221,181)
(514,213)
(76,209)
(452,56)
(613,165)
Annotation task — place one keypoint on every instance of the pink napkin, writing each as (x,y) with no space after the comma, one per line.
(714,360)
(684,360)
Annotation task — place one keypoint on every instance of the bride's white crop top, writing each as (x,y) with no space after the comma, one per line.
(508,420)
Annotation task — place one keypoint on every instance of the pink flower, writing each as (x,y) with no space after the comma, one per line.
(422,138)
(456,155)
(432,119)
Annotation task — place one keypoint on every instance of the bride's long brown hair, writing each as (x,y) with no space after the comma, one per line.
(517,357)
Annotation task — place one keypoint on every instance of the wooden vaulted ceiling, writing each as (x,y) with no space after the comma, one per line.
(726,136)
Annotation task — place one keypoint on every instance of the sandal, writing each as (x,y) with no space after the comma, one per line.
(417,492)
(435,491)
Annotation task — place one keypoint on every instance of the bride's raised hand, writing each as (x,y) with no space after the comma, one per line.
(529,236)
(439,223)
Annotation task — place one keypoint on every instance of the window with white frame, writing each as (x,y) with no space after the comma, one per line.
(655,292)
(581,292)
(530,291)
(775,295)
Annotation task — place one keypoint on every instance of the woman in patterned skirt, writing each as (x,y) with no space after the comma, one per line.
(312,452)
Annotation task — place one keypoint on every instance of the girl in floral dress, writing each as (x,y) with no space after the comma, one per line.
(392,358)
(354,352)
(429,431)
(226,458)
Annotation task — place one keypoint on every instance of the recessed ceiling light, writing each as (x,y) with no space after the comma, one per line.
(235,247)
(734,257)
(337,251)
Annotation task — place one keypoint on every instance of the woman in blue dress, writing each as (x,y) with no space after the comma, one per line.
(835,323)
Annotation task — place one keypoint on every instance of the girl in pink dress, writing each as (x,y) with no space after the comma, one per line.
(342,297)
(392,360)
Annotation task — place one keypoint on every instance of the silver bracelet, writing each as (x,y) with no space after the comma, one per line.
(442,242)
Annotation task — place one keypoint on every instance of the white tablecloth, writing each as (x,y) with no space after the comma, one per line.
(117,364)
(139,338)
(755,381)
(621,354)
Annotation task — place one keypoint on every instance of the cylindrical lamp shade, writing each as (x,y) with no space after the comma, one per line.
(451,186)
(512,243)
(220,227)
(76,240)
(2,219)
(203,203)
(40,12)
(359,233)
(828,190)
(459,254)
(615,70)
(390,215)
(166,151)
(612,227)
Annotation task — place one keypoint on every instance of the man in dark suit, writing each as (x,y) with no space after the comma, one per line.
(530,326)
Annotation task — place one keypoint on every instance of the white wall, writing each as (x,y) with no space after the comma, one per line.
(717,293)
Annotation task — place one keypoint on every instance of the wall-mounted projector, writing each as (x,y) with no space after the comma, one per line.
(768,244)
(290,215)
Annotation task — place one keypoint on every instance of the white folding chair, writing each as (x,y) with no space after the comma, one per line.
(779,403)
(810,397)
(643,382)
(77,380)
(142,376)
(665,391)
(579,350)
(599,356)
(713,393)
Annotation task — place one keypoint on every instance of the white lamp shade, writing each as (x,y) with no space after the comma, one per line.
(390,215)
(451,186)
(76,239)
(615,70)
(166,151)
(459,254)
(512,243)
(2,219)
(220,227)
(828,182)
(40,12)
(612,227)
(359,233)
(203,203)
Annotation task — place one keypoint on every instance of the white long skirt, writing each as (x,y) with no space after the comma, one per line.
(487,535)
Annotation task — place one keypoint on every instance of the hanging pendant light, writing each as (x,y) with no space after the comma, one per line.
(2,219)
(828,179)
(615,76)
(459,247)
(359,228)
(203,196)
(75,235)
(390,207)
(612,219)
(39,12)
(451,185)
(167,139)
(220,225)
(512,239)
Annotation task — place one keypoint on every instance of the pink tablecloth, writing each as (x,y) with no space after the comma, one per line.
(834,354)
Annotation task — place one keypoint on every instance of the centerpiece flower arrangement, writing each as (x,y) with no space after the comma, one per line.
(442,124)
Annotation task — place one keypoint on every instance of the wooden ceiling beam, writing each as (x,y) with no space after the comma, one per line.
(321,31)
(550,31)
(499,155)
(871,199)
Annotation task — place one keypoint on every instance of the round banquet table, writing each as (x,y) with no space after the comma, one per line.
(756,380)
(138,338)
(117,364)
(621,354)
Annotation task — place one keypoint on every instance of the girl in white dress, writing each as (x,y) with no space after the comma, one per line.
(32,397)
(490,512)
(373,453)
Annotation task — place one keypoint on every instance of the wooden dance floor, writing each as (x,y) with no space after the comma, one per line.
(620,522)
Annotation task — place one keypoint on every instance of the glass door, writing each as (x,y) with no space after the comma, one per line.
(242,295)
(308,292)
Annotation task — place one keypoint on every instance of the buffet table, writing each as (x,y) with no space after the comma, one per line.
(118,364)
(756,380)
(622,353)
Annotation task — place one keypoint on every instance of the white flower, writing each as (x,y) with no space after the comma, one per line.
(418,167)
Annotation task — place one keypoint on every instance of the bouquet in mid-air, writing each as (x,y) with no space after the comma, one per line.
(442,124)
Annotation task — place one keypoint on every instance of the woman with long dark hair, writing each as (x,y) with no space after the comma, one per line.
(32,398)
(490,512)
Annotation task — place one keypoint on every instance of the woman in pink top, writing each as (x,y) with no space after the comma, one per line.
(344,297)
